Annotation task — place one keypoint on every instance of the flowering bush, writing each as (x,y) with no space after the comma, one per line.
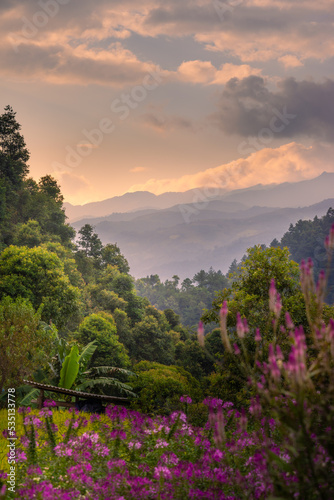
(125,454)
(295,391)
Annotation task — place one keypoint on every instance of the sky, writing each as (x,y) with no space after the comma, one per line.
(117,96)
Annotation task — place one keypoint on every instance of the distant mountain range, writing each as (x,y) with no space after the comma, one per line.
(140,200)
(196,233)
(292,194)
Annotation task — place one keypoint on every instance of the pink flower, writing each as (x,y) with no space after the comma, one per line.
(200,334)
(49,403)
(186,399)
(240,327)
(224,309)
(162,471)
(217,455)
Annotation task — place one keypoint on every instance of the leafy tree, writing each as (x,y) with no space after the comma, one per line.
(101,328)
(113,280)
(159,387)
(124,330)
(248,296)
(189,300)
(227,383)
(66,256)
(13,151)
(213,344)
(249,292)
(24,344)
(307,239)
(193,358)
(22,199)
(104,300)
(28,234)
(43,203)
(172,318)
(186,285)
(13,169)
(152,342)
(89,242)
(38,275)
(111,255)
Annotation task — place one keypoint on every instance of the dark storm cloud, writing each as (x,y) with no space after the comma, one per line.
(247,106)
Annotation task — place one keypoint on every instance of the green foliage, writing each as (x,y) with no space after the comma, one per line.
(123,327)
(111,255)
(190,355)
(187,301)
(38,275)
(249,297)
(28,234)
(22,199)
(160,387)
(101,328)
(249,292)
(151,342)
(89,242)
(306,239)
(24,343)
(66,256)
(228,383)
(294,390)
(70,368)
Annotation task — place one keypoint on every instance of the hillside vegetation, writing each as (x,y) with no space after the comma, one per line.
(240,407)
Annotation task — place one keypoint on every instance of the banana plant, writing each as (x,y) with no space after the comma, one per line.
(101,376)
(75,373)
(69,370)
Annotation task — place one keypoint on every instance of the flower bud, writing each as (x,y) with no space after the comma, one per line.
(240,327)
(258,337)
(200,334)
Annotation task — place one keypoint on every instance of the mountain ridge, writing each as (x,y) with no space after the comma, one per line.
(301,192)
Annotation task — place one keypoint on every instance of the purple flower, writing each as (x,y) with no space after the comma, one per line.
(186,399)
(49,403)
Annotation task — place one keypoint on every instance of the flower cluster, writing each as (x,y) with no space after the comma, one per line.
(125,454)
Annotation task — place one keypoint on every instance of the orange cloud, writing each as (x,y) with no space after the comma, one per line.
(290,61)
(289,163)
(205,72)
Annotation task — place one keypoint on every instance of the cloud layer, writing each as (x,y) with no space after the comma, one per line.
(247,106)
(289,163)
(81,41)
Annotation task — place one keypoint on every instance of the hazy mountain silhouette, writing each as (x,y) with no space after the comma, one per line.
(140,200)
(186,238)
(295,194)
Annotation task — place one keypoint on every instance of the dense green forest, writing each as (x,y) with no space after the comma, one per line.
(68,297)
(305,239)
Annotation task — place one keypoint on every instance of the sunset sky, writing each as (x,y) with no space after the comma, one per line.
(169,95)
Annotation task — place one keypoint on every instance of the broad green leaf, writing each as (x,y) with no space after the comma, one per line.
(70,368)
(28,397)
(87,354)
